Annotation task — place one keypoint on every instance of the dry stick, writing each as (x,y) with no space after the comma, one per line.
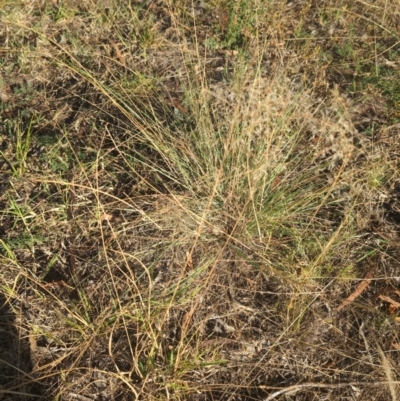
(391,301)
(297,387)
(118,52)
(360,288)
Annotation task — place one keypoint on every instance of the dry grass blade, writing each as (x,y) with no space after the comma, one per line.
(388,372)
(298,387)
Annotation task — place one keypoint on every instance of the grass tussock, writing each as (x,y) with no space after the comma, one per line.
(189,191)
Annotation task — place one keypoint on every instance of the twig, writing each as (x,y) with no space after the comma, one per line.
(358,291)
(297,387)
(391,301)
(118,52)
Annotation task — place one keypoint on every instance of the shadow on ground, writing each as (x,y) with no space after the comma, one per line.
(16,382)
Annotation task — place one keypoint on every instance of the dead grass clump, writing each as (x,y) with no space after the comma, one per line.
(190,193)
